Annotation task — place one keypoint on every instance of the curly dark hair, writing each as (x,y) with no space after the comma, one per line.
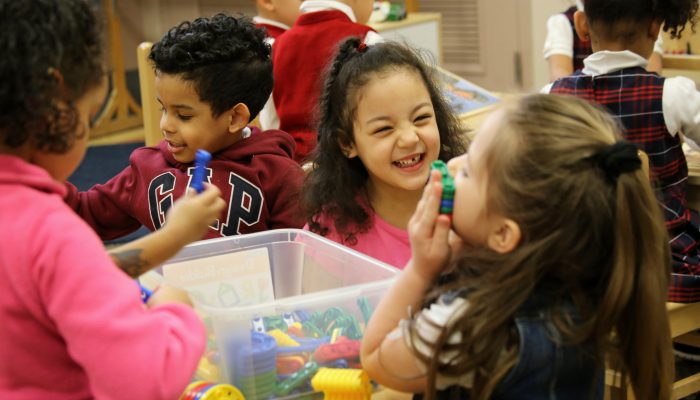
(227,58)
(673,13)
(332,186)
(51,51)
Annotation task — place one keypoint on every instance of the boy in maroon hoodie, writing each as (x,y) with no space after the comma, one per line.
(213,75)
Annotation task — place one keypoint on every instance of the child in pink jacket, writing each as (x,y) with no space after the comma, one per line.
(73,325)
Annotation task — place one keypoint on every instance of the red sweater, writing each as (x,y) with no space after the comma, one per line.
(257,178)
(299,58)
(273,31)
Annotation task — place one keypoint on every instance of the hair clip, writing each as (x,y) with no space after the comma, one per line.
(362,47)
(618,158)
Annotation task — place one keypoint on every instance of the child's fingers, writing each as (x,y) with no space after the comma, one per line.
(432,199)
(420,207)
(441,233)
(430,208)
(210,194)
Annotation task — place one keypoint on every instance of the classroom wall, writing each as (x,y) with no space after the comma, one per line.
(539,12)
(525,35)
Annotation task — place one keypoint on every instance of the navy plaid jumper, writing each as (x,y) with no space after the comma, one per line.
(582,49)
(634,96)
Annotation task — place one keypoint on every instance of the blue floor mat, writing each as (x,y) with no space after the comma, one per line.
(100,164)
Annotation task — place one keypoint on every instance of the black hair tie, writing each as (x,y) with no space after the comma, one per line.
(618,158)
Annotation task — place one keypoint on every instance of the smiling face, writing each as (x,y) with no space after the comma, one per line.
(187,123)
(395,132)
(471,218)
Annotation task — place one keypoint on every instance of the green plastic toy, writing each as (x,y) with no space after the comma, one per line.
(448,187)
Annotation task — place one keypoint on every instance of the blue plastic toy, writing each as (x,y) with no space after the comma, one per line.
(201,159)
(145,293)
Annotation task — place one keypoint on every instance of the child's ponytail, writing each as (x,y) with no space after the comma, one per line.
(636,290)
(346,51)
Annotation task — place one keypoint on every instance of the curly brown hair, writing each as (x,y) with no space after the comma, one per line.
(227,59)
(609,15)
(334,183)
(52,55)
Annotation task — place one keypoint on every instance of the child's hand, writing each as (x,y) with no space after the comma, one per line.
(190,216)
(428,231)
(165,294)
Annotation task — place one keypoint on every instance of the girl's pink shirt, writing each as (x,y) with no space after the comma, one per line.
(73,325)
(382,241)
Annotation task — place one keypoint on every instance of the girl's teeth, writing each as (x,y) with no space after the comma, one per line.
(408,163)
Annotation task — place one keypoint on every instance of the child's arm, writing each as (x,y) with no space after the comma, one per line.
(655,63)
(388,360)
(560,66)
(559,47)
(284,205)
(107,207)
(187,221)
(681,109)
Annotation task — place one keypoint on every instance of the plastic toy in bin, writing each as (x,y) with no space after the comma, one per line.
(323,296)
(342,384)
(252,366)
(202,390)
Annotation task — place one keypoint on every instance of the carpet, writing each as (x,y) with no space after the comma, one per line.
(100,164)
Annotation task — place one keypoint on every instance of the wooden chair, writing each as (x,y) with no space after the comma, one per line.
(684,319)
(149,105)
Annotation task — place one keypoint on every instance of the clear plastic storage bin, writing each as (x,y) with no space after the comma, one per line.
(278,305)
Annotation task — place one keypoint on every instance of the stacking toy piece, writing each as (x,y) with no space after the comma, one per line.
(448,187)
(201,159)
(145,292)
(202,390)
(297,379)
(342,384)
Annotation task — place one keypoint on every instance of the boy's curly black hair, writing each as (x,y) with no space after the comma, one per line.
(51,51)
(227,59)
(673,13)
(333,184)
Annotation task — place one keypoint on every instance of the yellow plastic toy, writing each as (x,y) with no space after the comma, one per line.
(342,384)
(282,339)
(211,391)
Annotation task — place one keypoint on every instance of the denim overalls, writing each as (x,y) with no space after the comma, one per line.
(546,368)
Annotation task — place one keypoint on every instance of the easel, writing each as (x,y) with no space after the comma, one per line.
(121,110)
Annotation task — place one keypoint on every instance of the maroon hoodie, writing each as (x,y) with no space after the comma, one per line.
(257,177)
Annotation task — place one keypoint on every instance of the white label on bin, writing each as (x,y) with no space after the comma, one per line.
(228,280)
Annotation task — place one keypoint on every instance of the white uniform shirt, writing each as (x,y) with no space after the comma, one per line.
(681,99)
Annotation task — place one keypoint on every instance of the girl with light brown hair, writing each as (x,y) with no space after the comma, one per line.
(553,263)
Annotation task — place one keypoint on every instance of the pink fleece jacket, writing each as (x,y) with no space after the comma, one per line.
(73,325)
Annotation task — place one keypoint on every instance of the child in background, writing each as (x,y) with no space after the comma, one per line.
(654,110)
(300,56)
(213,75)
(276,16)
(383,121)
(559,269)
(565,51)
(73,325)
